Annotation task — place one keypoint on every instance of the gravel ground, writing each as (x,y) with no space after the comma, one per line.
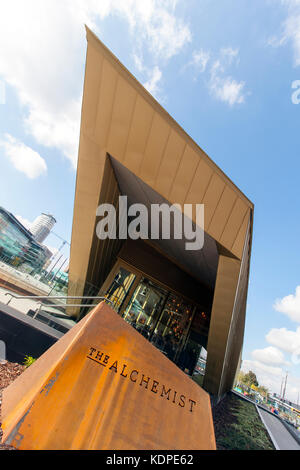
(9,371)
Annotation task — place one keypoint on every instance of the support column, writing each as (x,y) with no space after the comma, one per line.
(221,317)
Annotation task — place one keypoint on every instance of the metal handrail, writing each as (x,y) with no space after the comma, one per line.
(16,296)
(36,297)
(57,305)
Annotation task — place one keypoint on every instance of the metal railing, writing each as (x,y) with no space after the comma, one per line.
(55,304)
(41,281)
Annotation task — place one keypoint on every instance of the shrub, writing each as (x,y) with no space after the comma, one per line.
(28,360)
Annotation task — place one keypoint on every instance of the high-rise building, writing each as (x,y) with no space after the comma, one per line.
(17,245)
(42,226)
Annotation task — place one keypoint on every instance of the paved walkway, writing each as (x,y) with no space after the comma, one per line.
(281,437)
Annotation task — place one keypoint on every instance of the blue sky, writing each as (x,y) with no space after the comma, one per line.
(224,71)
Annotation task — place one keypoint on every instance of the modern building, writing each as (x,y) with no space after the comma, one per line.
(18,247)
(42,226)
(181,300)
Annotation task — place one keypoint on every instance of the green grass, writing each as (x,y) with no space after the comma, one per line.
(238,426)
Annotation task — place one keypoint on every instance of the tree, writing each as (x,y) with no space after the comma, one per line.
(263,391)
(240,377)
(250,379)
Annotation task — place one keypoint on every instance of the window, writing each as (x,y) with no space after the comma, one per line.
(119,288)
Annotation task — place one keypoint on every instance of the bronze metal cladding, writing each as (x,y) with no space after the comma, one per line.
(120,118)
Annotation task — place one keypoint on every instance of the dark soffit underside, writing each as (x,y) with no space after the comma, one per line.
(201,264)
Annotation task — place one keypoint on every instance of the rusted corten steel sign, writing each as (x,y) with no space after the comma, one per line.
(104,386)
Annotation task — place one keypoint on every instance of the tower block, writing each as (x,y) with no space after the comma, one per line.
(104,386)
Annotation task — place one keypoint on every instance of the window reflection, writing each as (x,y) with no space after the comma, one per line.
(172,324)
(172,327)
(119,288)
(162,317)
(145,307)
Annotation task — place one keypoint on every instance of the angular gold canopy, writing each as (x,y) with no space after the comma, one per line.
(120,118)
(125,130)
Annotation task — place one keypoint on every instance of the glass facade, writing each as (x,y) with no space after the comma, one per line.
(13,243)
(162,317)
(119,288)
(172,327)
(17,247)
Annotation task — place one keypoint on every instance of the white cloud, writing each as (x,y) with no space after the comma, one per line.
(292,33)
(154,22)
(267,375)
(227,89)
(229,53)
(24,221)
(260,367)
(23,158)
(42,56)
(269,363)
(199,60)
(2,92)
(222,86)
(39,44)
(290,30)
(290,305)
(138,62)
(58,129)
(153,75)
(152,84)
(285,339)
(273,377)
(269,356)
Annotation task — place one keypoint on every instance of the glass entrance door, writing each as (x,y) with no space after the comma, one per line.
(145,306)
(172,327)
(120,287)
(161,316)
